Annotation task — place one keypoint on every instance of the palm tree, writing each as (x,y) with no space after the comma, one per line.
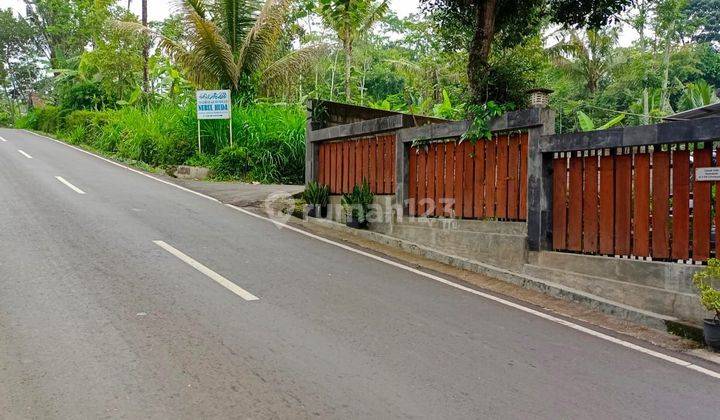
(350,19)
(588,56)
(230,42)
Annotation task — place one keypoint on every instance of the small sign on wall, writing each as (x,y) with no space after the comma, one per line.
(707,174)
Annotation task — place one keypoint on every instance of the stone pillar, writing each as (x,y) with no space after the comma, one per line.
(539,218)
(401,173)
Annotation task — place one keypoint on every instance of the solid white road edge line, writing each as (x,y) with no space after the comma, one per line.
(124,166)
(208,272)
(531,311)
(24,154)
(537,313)
(69,185)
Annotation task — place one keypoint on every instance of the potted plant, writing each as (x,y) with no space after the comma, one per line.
(710,299)
(357,206)
(317,197)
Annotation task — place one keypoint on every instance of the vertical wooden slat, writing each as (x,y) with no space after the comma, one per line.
(479,205)
(366,160)
(559,204)
(339,167)
(702,207)
(412,182)
(641,207)
(490,175)
(661,205)
(422,182)
(575,204)
(523,176)
(459,176)
(333,168)
(449,187)
(321,165)
(359,162)
(393,139)
(351,164)
(372,164)
(468,183)
(431,178)
(379,182)
(502,177)
(623,204)
(607,205)
(513,177)
(440,176)
(389,165)
(346,166)
(590,204)
(680,248)
(717,208)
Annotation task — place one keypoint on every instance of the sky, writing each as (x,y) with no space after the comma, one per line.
(160,9)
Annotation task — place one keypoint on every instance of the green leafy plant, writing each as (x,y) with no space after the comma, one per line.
(587,124)
(316,194)
(709,295)
(480,120)
(357,203)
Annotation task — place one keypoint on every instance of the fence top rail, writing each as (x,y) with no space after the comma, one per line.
(690,131)
(361,128)
(517,120)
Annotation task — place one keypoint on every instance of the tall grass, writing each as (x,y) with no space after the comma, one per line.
(269,140)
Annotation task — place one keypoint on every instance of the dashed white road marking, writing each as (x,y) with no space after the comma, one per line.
(2,139)
(569,324)
(69,185)
(24,154)
(208,272)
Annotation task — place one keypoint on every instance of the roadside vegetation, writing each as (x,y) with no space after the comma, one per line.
(95,74)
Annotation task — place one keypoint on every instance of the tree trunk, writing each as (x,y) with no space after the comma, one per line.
(146,49)
(480,46)
(348,70)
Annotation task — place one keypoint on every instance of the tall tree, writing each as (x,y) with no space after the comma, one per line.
(350,19)
(588,56)
(511,20)
(230,43)
(146,47)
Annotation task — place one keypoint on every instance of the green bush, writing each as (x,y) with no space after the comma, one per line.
(46,119)
(231,163)
(709,296)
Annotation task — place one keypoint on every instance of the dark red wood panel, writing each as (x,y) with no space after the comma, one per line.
(702,205)
(468,183)
(372,164)
(559,204)
(623,204)
(366,160)
(379,182)
(459,175)
(607,205)
(680,248)
(393,174)
(513,177)
(431,179)
(346,166)
(321,167)
(351,164)
(523,175)
(490,175)
(661,205)
(422,182)
(333,168)
(389,164)
(590,204)
(449,188)
(440,175)
(641,207)
(479,180)
(412,182)
(502,177)
(575,203)
(358,162)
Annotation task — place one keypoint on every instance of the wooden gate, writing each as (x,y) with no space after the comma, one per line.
(641,202)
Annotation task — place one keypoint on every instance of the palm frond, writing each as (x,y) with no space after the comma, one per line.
(236,17)
(263,36)
(285,71)
(375,15)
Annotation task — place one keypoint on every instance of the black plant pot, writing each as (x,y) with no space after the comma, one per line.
(313,211)
(711,331)
(354,223)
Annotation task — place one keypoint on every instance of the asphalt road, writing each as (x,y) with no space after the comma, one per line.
(97,319)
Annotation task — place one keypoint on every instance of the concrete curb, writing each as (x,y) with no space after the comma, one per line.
(640,316)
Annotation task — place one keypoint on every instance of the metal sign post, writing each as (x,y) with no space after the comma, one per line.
(213,105)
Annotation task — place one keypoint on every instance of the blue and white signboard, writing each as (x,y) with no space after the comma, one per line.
(213,104)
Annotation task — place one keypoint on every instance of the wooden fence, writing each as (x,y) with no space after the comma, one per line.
(640,201)
(344,164)
(487,179)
